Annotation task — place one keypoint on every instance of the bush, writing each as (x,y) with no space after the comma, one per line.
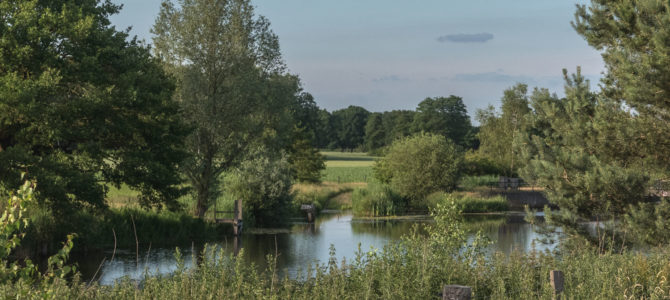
(376,200)
(264,185)
(419,165)
(478,165)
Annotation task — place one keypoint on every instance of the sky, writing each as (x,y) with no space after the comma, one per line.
(389,54)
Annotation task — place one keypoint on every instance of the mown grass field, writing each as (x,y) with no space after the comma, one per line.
(348,167)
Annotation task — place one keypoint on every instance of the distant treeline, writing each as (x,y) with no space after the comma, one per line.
(355,128)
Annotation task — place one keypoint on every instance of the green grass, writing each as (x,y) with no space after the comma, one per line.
(471,202)
(345,167)
(471,182)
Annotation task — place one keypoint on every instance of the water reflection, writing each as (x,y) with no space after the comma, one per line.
(305,244)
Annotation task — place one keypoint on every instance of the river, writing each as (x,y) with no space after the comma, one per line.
(303,244)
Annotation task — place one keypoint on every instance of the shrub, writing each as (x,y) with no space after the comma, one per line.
(376,200)
(419,165)
(264,185)
(477,164)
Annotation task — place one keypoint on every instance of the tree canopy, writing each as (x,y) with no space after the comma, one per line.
(82,106)
(232,85)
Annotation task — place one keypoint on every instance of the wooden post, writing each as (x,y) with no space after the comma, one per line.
(310,209)
(556,278)
(237,218)
(456,292)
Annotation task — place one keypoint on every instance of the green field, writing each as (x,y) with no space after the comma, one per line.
(348,167)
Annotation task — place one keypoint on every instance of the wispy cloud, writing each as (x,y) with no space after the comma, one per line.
(492,77)
(466,38)
(390,78)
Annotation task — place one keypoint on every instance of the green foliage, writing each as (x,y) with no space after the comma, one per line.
(469,203)
(566,151)
(349,125)
(478,164)
(307,161)
(81,106)
(13,223)
(232,85)
(416,267)
(376,200)
(471,182)
(447,117)
(649,223)
(374,132)
(264,185)
(419,165)
(499,130)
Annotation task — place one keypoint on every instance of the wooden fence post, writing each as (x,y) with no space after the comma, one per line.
(237,218)
(557,280)
(456,292)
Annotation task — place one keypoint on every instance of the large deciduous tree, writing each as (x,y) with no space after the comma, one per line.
(232,85)
(445,116)
(82,106)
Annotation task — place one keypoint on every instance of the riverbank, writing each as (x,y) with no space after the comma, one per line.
(414,267)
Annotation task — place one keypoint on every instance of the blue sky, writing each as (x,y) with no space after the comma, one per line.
(388,54)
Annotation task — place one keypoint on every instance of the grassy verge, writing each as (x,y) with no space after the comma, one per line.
(414,268)
(102,230)
(327,195)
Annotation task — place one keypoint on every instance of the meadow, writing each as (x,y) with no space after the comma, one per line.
(344,167)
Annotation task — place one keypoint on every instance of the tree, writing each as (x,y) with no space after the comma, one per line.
(498,131)
(374,132)
(349,125)
(81,106)
(419,165)
(569,150)
(306,161)
(264,182)
(444,116)
(232,85)
(398,124)
(634,38)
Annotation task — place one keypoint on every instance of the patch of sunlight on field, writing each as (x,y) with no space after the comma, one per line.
(348,167)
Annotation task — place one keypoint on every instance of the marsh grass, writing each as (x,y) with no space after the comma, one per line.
(414,268)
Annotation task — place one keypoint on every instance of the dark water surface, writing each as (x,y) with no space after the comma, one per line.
(303,244)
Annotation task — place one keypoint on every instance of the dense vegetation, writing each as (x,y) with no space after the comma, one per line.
(210,114)
(444,256)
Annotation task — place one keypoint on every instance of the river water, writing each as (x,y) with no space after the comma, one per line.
(304,244)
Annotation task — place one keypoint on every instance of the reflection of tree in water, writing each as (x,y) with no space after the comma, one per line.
(394,229)
(508,233)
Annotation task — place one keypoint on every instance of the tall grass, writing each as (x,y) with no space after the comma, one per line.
(470,202)
(376,200)
(413,268)
(101,230)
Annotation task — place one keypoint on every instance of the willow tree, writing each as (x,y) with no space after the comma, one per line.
(232,84)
